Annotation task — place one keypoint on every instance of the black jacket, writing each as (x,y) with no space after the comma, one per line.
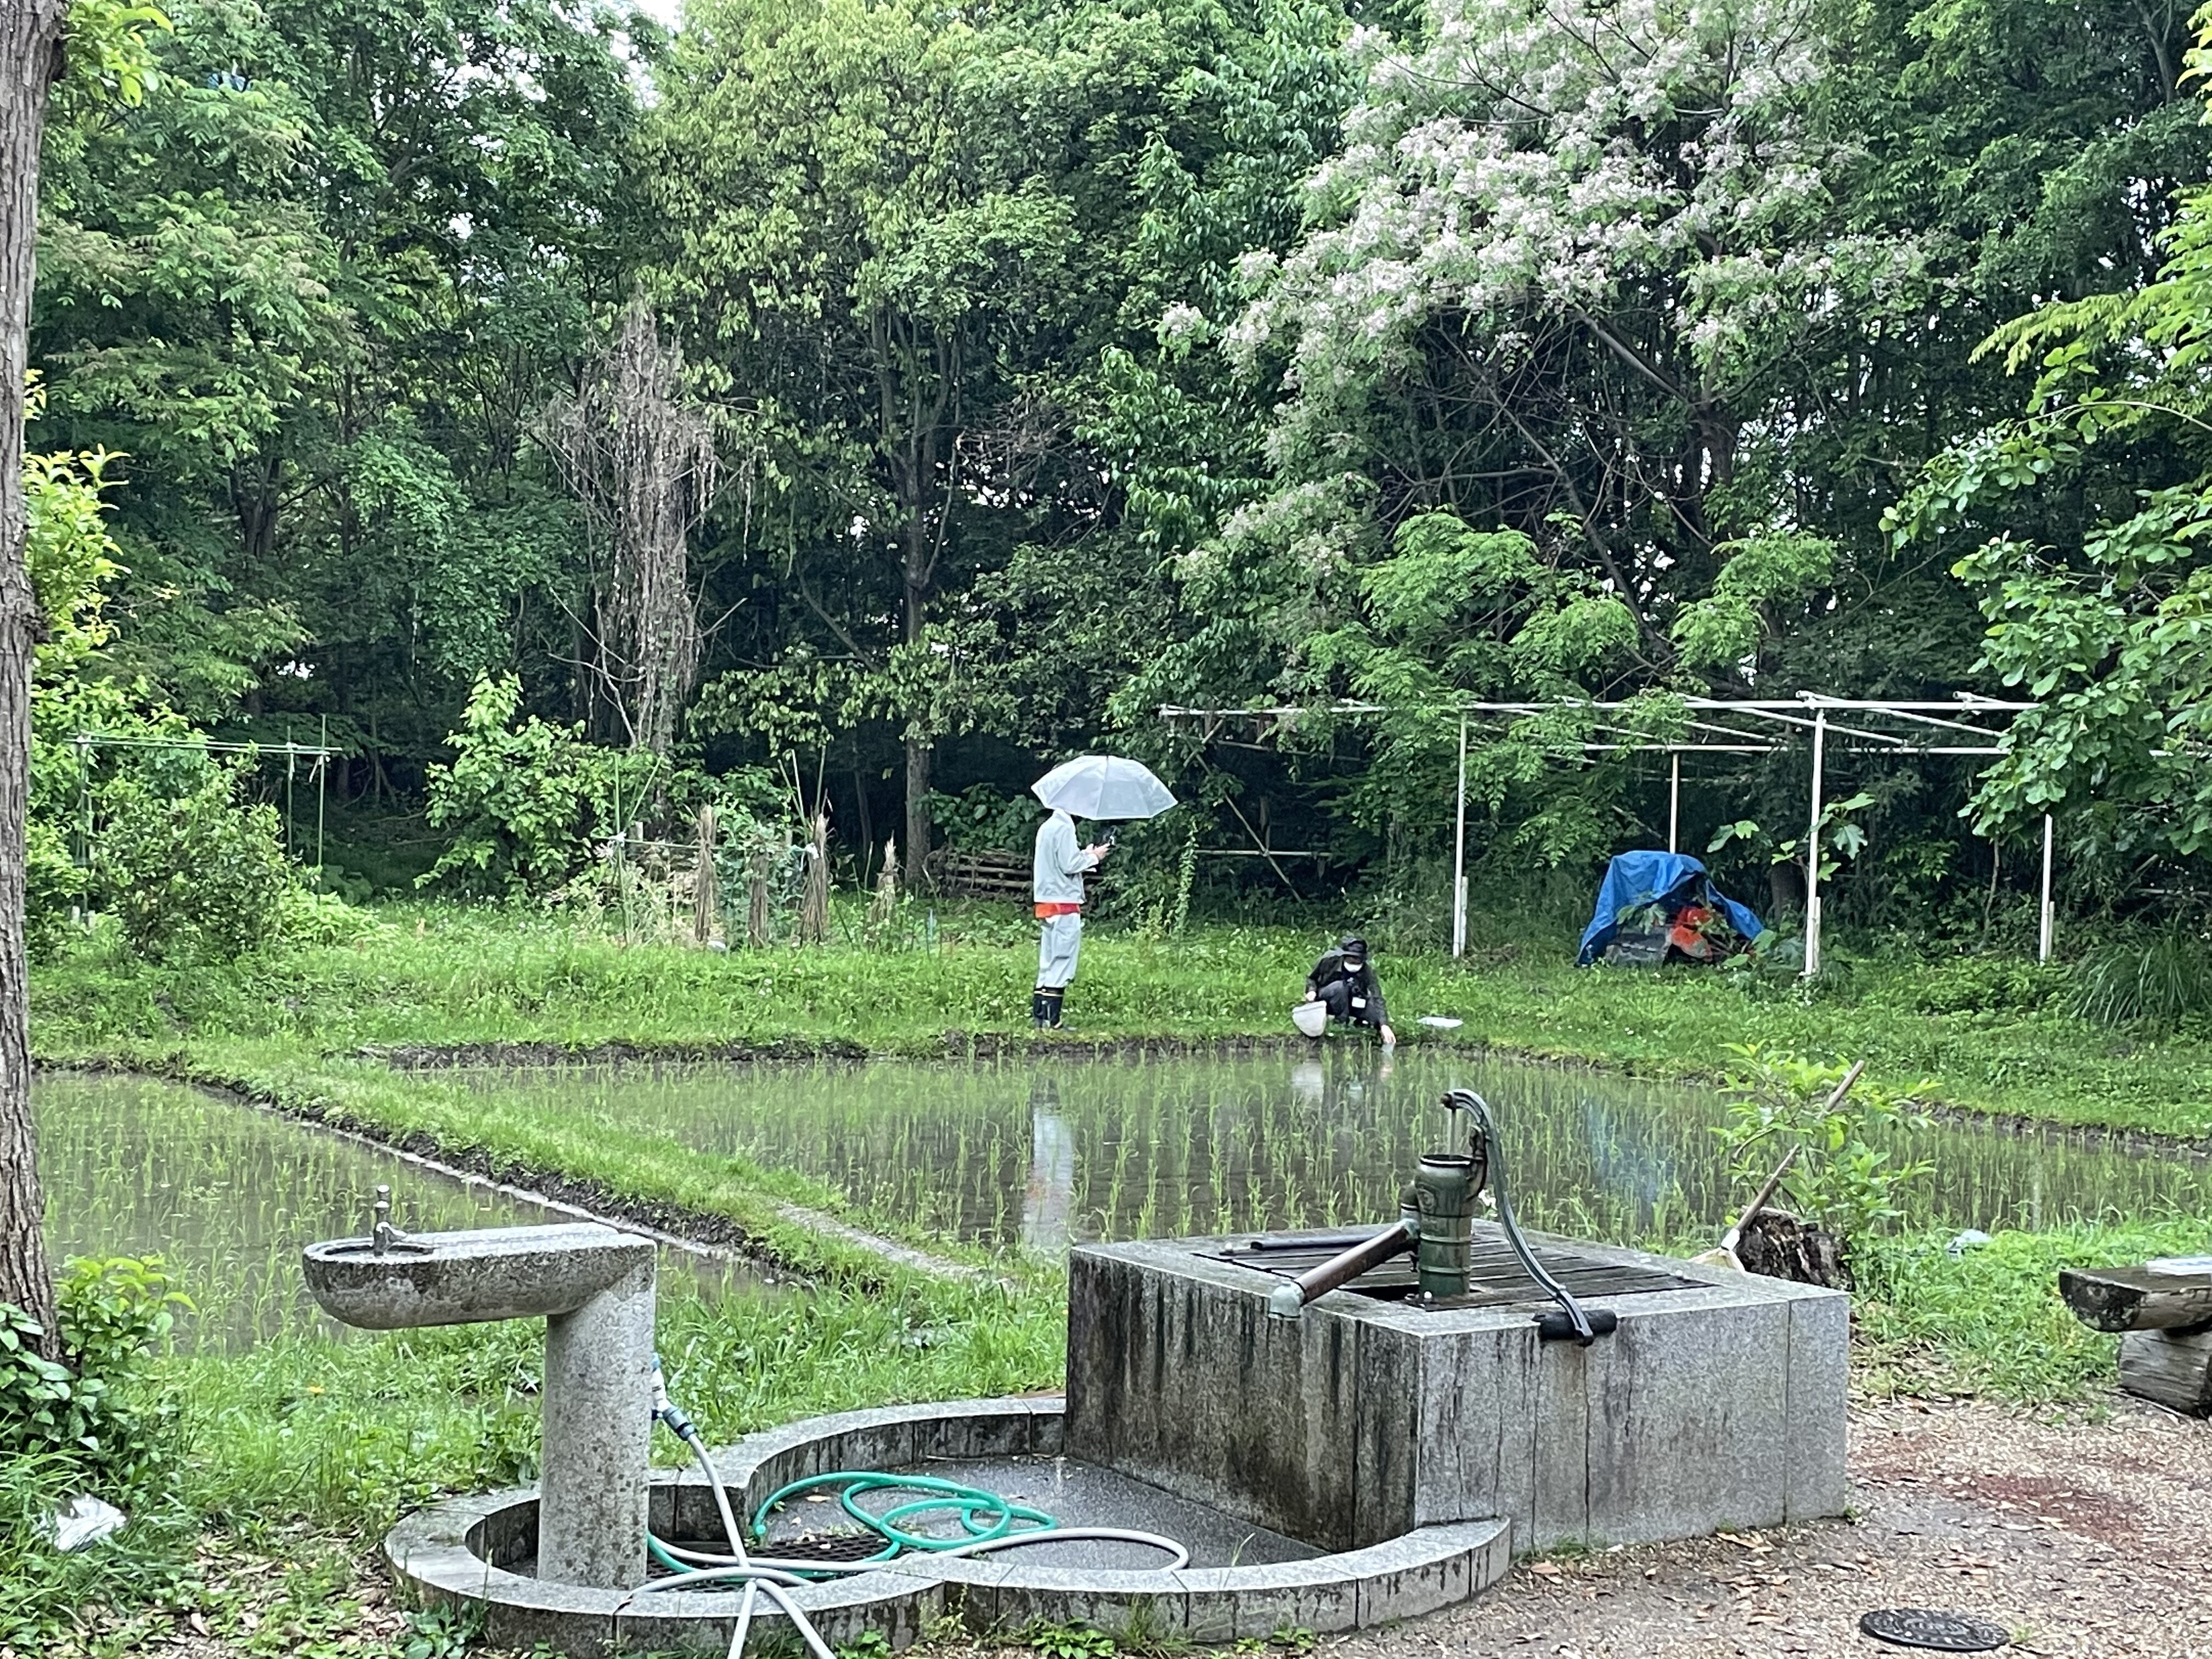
(1331,967)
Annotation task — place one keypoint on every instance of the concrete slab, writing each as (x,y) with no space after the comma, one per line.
(1716,1403)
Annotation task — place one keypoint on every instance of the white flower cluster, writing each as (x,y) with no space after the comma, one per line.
(1568,159)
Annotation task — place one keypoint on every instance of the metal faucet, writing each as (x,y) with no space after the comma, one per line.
(382,1235)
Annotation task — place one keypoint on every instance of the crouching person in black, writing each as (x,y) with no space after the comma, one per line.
(1343,981)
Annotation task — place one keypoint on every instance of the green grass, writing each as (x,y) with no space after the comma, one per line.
(440,976)
(294,1456)
(1990,1322)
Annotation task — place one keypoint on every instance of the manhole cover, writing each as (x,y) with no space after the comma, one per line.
(1924,1627)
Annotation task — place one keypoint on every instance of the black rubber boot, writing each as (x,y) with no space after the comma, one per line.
(1037,1009)
(1052,1001)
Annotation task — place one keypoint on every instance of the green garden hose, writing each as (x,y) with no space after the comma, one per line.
(982,1514)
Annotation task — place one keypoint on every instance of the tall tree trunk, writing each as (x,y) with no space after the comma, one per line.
(640,457)
(918,758)
(31,58)
(921,754)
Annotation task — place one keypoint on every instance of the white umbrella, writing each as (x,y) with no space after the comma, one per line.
(1103,787)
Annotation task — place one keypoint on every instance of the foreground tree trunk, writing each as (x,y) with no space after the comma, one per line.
(29,59)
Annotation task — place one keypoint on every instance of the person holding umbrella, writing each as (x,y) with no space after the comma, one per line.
(1095,786)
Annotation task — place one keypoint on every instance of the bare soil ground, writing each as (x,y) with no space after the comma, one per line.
(2082,1539)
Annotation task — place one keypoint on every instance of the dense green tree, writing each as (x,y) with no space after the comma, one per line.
(2095,505)
(1074,356)
(315,288)
(1683,296)
(919,252)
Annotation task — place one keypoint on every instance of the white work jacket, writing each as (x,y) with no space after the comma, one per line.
(1057,873)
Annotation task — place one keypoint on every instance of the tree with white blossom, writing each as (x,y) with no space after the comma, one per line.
(1571,274)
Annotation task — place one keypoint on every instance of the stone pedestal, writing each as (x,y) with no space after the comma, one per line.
(1715,1404)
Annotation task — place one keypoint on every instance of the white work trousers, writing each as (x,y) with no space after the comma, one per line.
(1059,942)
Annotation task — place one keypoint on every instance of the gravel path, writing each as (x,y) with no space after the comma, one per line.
(2085,1540)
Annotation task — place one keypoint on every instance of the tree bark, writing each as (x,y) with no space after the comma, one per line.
(32,30)
(920,753)
(918,758)
(641,458)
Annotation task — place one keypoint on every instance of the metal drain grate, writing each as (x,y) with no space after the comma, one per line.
(1499,1279)
(825,1547)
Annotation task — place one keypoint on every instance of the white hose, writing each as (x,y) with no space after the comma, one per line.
(721,1496)
(745,1620)
(804,1625)
(716,1565)
(755,1579)
(1070,1535)
(773,1576)
(767,1572)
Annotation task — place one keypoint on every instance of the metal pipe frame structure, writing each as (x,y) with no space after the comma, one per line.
(321,754)
(1751,726)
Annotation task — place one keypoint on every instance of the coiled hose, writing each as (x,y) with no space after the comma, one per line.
(989,1522)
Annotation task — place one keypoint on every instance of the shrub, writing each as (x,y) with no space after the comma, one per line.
(526,800)
(1841,1178)
(2156,979)
(311,917)
(53,885)
(197,876)
(1968,985)
(979,819)
(77,1412)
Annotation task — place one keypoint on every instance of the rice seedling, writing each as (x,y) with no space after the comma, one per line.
(1241,1142)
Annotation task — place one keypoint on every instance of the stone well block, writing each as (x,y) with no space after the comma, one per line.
(1716,1404)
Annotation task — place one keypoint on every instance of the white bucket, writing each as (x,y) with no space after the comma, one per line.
(1311,1017)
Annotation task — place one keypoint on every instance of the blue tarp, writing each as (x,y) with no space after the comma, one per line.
(1633,879)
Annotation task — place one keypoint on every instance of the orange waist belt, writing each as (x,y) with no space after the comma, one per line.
(1050,910)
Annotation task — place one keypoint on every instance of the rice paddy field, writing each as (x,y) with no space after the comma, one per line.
(226,1195)
(1033,1151)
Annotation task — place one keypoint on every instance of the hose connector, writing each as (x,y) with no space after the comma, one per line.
(667,1412)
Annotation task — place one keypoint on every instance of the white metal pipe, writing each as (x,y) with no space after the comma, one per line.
(1889,738)
(1813,850)
(1459,851)
(1750,705)
(1674,806)
(2042,945)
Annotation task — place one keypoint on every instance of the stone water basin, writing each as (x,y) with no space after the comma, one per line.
(479,1553)
(466,1278)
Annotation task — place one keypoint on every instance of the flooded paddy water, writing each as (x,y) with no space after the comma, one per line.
(1039,1151)
(1019,1151)
(227,1194)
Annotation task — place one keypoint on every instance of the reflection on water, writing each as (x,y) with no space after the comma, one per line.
(1049,1200)
(1035,1152)
(227,1195)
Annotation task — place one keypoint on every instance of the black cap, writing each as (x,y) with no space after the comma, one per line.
(1353,945)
